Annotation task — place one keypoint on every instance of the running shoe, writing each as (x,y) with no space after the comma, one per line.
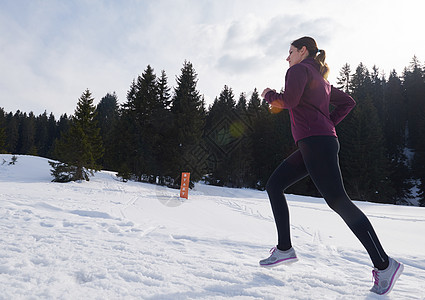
(385,279)
(279,257)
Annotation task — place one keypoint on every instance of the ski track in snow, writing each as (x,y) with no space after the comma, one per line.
(106,239)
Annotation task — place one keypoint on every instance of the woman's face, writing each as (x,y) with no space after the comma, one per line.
(296,56)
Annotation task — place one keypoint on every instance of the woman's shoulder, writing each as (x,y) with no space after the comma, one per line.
(302,69)
(297,69)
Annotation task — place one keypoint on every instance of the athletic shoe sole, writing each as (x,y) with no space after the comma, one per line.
(286,261)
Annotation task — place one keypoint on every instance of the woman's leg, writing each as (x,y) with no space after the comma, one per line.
(291,170)
(320,154)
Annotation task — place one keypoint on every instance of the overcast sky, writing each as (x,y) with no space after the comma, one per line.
(51,51)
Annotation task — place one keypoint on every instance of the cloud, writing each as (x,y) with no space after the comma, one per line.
(51,51)
(252,42)
(282,30)
(238,65)
(58,49)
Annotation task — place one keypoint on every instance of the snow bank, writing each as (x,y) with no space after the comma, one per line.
(106,239)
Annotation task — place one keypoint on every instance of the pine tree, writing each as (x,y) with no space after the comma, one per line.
(243,153)
(164,90)
(107,117)
(260,140)
(143,130)
(361,83)
(63,125)
(394,126)
(363,160)
(419,163)
(377,92)
(79,149)
(414,86)
(12,132)
(371,180)
(344,78)
(224,132)
(162,121)
(61,128)
(242,103)
(188,113)
(26,143)
(124,133)
(228,139)
(2,131)
(41,135)
(146,110)
(254,105)
(52,133)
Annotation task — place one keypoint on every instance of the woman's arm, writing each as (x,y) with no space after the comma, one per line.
(343,103)
(295,81)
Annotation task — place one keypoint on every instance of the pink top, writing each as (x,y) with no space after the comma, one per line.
(307,96)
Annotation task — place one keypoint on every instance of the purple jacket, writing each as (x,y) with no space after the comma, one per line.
(307,96)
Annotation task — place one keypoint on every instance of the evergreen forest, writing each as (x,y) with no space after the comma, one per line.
(158,132)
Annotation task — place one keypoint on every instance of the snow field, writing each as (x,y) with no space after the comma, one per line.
(106,239)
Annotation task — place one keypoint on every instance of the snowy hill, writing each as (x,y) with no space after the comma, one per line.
(106,239)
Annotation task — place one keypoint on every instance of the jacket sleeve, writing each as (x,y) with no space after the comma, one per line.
(295,81)
(343,104)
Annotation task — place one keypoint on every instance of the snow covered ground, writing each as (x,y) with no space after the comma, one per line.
(106,239)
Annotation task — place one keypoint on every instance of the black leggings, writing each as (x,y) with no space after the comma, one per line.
(317,156)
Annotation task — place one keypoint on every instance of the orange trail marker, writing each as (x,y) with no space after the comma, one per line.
(184,186)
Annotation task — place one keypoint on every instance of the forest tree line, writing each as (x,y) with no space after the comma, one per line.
(237,141)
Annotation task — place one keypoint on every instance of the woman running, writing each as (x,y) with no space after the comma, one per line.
(307,96)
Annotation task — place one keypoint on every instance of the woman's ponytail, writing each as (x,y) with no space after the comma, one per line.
(320,59)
